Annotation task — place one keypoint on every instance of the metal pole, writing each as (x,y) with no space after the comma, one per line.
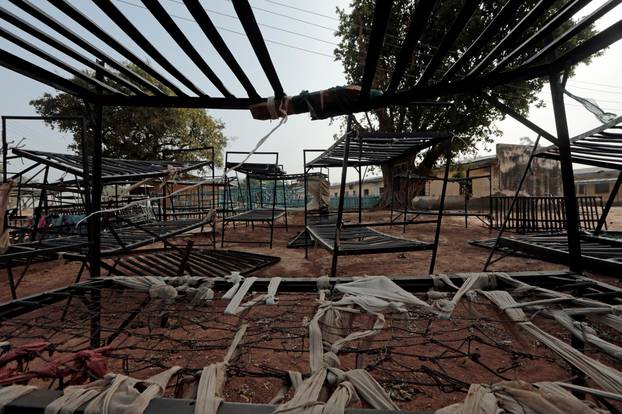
(441,206)
(4,151)
(570,197)
(612,197)
(342,190)
(94,221)
(276,177)
(305,170)
(513,203)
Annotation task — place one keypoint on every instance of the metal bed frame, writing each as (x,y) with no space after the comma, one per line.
(484,217)
(253,214)
(371,149)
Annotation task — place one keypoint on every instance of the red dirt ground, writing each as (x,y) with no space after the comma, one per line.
(272,341)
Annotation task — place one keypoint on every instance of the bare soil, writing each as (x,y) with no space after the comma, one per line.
(413,355)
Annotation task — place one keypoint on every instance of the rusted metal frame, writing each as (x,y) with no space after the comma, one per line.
(382,13)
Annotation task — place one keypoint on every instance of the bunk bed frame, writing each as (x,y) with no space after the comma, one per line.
(252,213)
(527,51)
(360,149)
(466,183)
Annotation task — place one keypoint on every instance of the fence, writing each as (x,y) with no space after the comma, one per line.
(352,203)
(544,214)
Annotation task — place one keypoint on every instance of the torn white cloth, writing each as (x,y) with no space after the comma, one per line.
(269,297)
(519,397)
(380,287)
(234,278)
(607,377)
(233,306)
(209,392)
(12,393)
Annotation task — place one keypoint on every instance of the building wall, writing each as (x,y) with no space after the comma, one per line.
(371,188)
(544,179)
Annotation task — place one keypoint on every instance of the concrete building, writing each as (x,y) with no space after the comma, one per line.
(372,187)
(596,181)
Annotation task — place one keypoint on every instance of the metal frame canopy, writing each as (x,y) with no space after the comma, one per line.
(599,147)
(519,42)
(376,148)
(113,170)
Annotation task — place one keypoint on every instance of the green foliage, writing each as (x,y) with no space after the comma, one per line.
(475,121)
(140,132)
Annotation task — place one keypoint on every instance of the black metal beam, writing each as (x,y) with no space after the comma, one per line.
(610,200)
(59,63)
(205,23)
(544,32)
(570,196)
(100,33)
(467,10)
(517,30)
(51,41)
(586,22)
(28,69)
(382,13)
(136,35)
(505,15)
(511,112)
(54,24)
(180,38)
(591,46)
(247,18)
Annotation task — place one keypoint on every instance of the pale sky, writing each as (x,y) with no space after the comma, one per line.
(310,69)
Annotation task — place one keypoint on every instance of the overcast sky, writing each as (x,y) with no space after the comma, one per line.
(301,44)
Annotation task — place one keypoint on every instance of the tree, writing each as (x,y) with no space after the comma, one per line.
(475,119)
(140,132)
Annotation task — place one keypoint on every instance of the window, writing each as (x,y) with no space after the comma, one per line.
(381,190)
(581,189)
(353,192)
(601,188)
(336,194)
(366,192)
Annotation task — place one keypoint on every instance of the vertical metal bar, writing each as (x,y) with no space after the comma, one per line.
(306,171)
(570,197)
(94,221)
(285,203)
(441,206)
(360,196)
(4,151)
(224,200)
(490,195)
(466,200)
(610,201)
(164,203)
(342,190)
(276,177)
(513,203)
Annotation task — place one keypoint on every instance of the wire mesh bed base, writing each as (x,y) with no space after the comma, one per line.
(412,215)
(420,360)
(266,216)
(363,240)
(195,262)
(262,215)
(602,254)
